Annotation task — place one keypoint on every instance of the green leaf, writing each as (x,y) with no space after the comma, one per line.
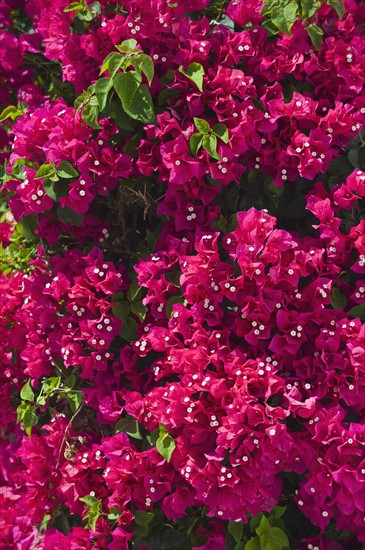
(195,73)
(66,170)
(135,97)
(358,311)
(152,437)
(221,131)
(129,330)
(17,169)
(338,300)
(129,425)
(143,518)
(127,46)
(134,292)
(89,501)
(195,143)
(132,145)
(96,8)
(44,524)
(270,28)
(144,64)
(68,216)
(121,118)
(284,15)
(75,6)
(48,186)
(26,392)
(75,398)
(87,14)
(94,507)
(210,145)
(279,537)
(114,513)
(338,6)
(126,86)
(10,112)
(45,171)
(71,380)
(253,544)
(278,511)
(264,526)
(102,88)
(139,310)
(353,157)
(51,384)
(26,226)
(235,529)
(202,125)
(166,94)
(165,444)
(316,35)
(226,22)
(309,8)
(116,62)
(121,310)
(106,62)
(26,414)
(89,114)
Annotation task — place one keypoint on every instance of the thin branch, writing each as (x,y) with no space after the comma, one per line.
(63,442)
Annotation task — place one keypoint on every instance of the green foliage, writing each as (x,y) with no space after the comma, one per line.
(55,179)
(309,8)
(83,11)
(209,143)
(338,300)
(221,131)
(126,84)
(66,170)
(202,125)
(282,14)
(75,398)
(358,311)
(94,507)
(129,330)
(235,528)
(165,443)
(206,137)
(139,310)
(26,393)
(316,35)
(195,143)
(338,6)
(268,537)
(26,415)
(135,98)
(68,216)
(121,310)
(195,73)
(356,153)
(144,518)
(129,425)
(52,390)
(11,112)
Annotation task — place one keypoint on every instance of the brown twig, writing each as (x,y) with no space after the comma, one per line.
(63,442)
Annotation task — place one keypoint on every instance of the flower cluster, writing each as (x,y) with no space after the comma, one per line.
(182,275)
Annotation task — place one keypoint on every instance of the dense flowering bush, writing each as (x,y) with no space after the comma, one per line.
(182,275)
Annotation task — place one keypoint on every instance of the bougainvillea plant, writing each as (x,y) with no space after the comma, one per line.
(182,268)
